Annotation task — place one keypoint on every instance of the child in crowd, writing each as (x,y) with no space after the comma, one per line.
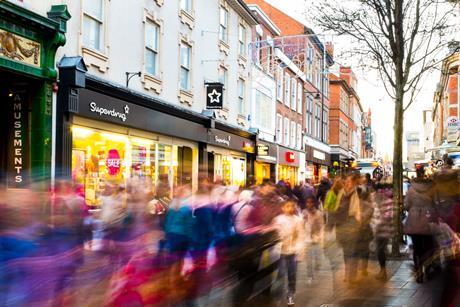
(314,235)
(292,233)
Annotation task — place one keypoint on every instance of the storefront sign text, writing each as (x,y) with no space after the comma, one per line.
(290,156)
(17,157)
(223,141)
(248,147)
(93,107)
(113,162)
(319,155)
(262,150)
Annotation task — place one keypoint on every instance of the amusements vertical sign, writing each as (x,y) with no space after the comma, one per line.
(18,159)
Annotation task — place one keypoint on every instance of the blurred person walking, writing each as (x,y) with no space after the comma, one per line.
(419,204)
(314,226)
(178,228)
(292,233)
(383,225)
(348,218)
(323,189)
(365,234)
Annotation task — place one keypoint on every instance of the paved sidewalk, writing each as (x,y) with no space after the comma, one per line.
(329,289)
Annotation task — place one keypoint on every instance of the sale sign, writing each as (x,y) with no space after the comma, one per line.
(113,162)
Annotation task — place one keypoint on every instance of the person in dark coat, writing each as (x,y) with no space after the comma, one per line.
(323,188)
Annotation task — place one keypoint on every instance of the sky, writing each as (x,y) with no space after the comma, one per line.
(370,88)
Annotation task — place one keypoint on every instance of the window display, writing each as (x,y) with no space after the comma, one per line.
(99,156)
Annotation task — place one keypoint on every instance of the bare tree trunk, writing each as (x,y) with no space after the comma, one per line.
(398,172)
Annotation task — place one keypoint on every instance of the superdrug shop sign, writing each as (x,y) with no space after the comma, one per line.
(18,159)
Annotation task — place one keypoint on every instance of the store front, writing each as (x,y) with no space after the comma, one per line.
(228,157)
(109,139)
(28,46)
(317,163)
(265,164)
(288,165)
(108,153)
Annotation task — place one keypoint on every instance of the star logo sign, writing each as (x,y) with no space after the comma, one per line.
(214,96)
(126,109)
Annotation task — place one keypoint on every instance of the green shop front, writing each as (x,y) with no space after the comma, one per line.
(28,44)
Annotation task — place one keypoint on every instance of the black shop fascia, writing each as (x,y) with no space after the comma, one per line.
(84,97)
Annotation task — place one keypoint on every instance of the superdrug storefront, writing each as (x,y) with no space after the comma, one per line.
(109,134)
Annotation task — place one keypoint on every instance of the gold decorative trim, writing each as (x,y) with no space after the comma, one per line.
(96,59)
(187,19)
(185,97)
(19,49)
(152,83)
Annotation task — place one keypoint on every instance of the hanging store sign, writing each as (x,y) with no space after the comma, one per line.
(17,142)
(214,96)
(19,49)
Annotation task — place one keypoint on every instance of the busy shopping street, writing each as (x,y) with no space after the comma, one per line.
(229,153)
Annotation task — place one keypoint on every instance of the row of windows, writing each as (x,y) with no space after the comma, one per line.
(93,36)
(293,90)
(288,132)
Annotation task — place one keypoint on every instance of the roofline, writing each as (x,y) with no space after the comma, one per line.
(243,10)
(268,22)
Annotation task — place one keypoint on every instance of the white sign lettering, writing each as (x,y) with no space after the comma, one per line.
(17,140)
(93,107)
(223,141)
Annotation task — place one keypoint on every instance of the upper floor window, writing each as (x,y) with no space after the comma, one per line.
(299,97)
(286,131)
(241,94)
(318,121)
(185,67)
(264,112)
(319,73)
(310,55)
(151,48)
(293,134)
(258,49)
(299,137)
(309,114)
(93,16)
(223,28)
(242,40)
(223,76)
(279,129)
(279,83)
(293,94)
(287,89)
(186,5)
(325,126)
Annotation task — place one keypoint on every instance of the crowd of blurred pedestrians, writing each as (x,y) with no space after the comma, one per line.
(170,248)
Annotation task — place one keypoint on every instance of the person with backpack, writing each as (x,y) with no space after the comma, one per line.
(419,204)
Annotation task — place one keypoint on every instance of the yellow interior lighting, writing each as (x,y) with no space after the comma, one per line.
(81,132)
